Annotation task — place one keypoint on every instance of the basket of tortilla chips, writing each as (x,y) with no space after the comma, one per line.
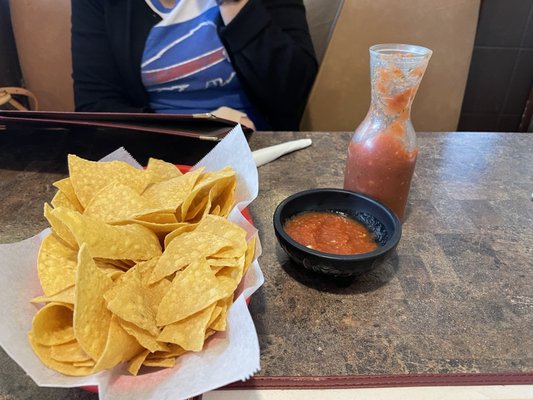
(140,268)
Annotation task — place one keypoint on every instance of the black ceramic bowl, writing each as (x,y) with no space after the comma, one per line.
(380,220)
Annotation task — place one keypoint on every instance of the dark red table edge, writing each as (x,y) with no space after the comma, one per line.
(379,381)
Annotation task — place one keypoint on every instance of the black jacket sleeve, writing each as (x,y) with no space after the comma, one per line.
(99,84)
(272,53)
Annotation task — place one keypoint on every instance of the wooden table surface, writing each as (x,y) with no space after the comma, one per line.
(455,298)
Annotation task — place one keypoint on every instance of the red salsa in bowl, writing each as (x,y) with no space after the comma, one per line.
(330,232)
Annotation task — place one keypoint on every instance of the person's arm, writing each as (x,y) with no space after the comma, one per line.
(271,50)
(98,85)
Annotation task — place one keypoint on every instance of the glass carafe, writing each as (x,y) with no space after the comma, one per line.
(383,150)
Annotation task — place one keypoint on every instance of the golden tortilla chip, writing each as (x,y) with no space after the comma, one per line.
(60,199)
(229,277)
(219,322)
(69,352)
(136,362)
(218,263)
(44,354)
(126,299)
(52,324)
(223,199)
(153,293)
(129,242)
(110,269)
(88,177)
(188,333)
(59,228)
(192,290)
(173,351)
(200,192)
(181,229)
(198,209)
(160,218)
(169,195)
(122,265)
(161,230)
(144,338)
(160,170)
(120,346)
(91,316)
(185,249)
(56,265)
(250,253)
(161,362)
(66,296)
(117,202)
(88,363)
(65,187)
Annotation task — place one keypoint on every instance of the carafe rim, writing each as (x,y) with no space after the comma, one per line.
(394,50)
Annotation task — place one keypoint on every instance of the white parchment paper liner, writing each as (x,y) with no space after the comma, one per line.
(228,356)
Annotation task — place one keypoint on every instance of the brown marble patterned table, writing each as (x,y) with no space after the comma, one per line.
(456,297)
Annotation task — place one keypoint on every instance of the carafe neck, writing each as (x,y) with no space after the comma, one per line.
(395,73)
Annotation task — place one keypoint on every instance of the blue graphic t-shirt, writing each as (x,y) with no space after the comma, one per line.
(185,67)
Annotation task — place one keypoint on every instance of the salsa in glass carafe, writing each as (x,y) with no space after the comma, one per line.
(382,152)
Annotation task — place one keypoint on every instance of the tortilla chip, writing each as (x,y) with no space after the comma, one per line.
(161,362)
(52,325)
(136,362)
(44,354)
(188,333)
(56,265)
(144,338)
(220,322)
(126,300)
(169,195)
(91,316)
(120,346)
(223,177)
(69,352)
(192,290)
(160,170)
(65,187)
(130,242)
(179,230)
(66,296)
(117,202)
(60,199)
(185,249)
(89,177)
(59,228)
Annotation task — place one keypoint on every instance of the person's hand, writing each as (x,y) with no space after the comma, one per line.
(231,114)
(247,122)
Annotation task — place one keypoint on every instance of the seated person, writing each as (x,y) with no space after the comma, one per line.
(194,56)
